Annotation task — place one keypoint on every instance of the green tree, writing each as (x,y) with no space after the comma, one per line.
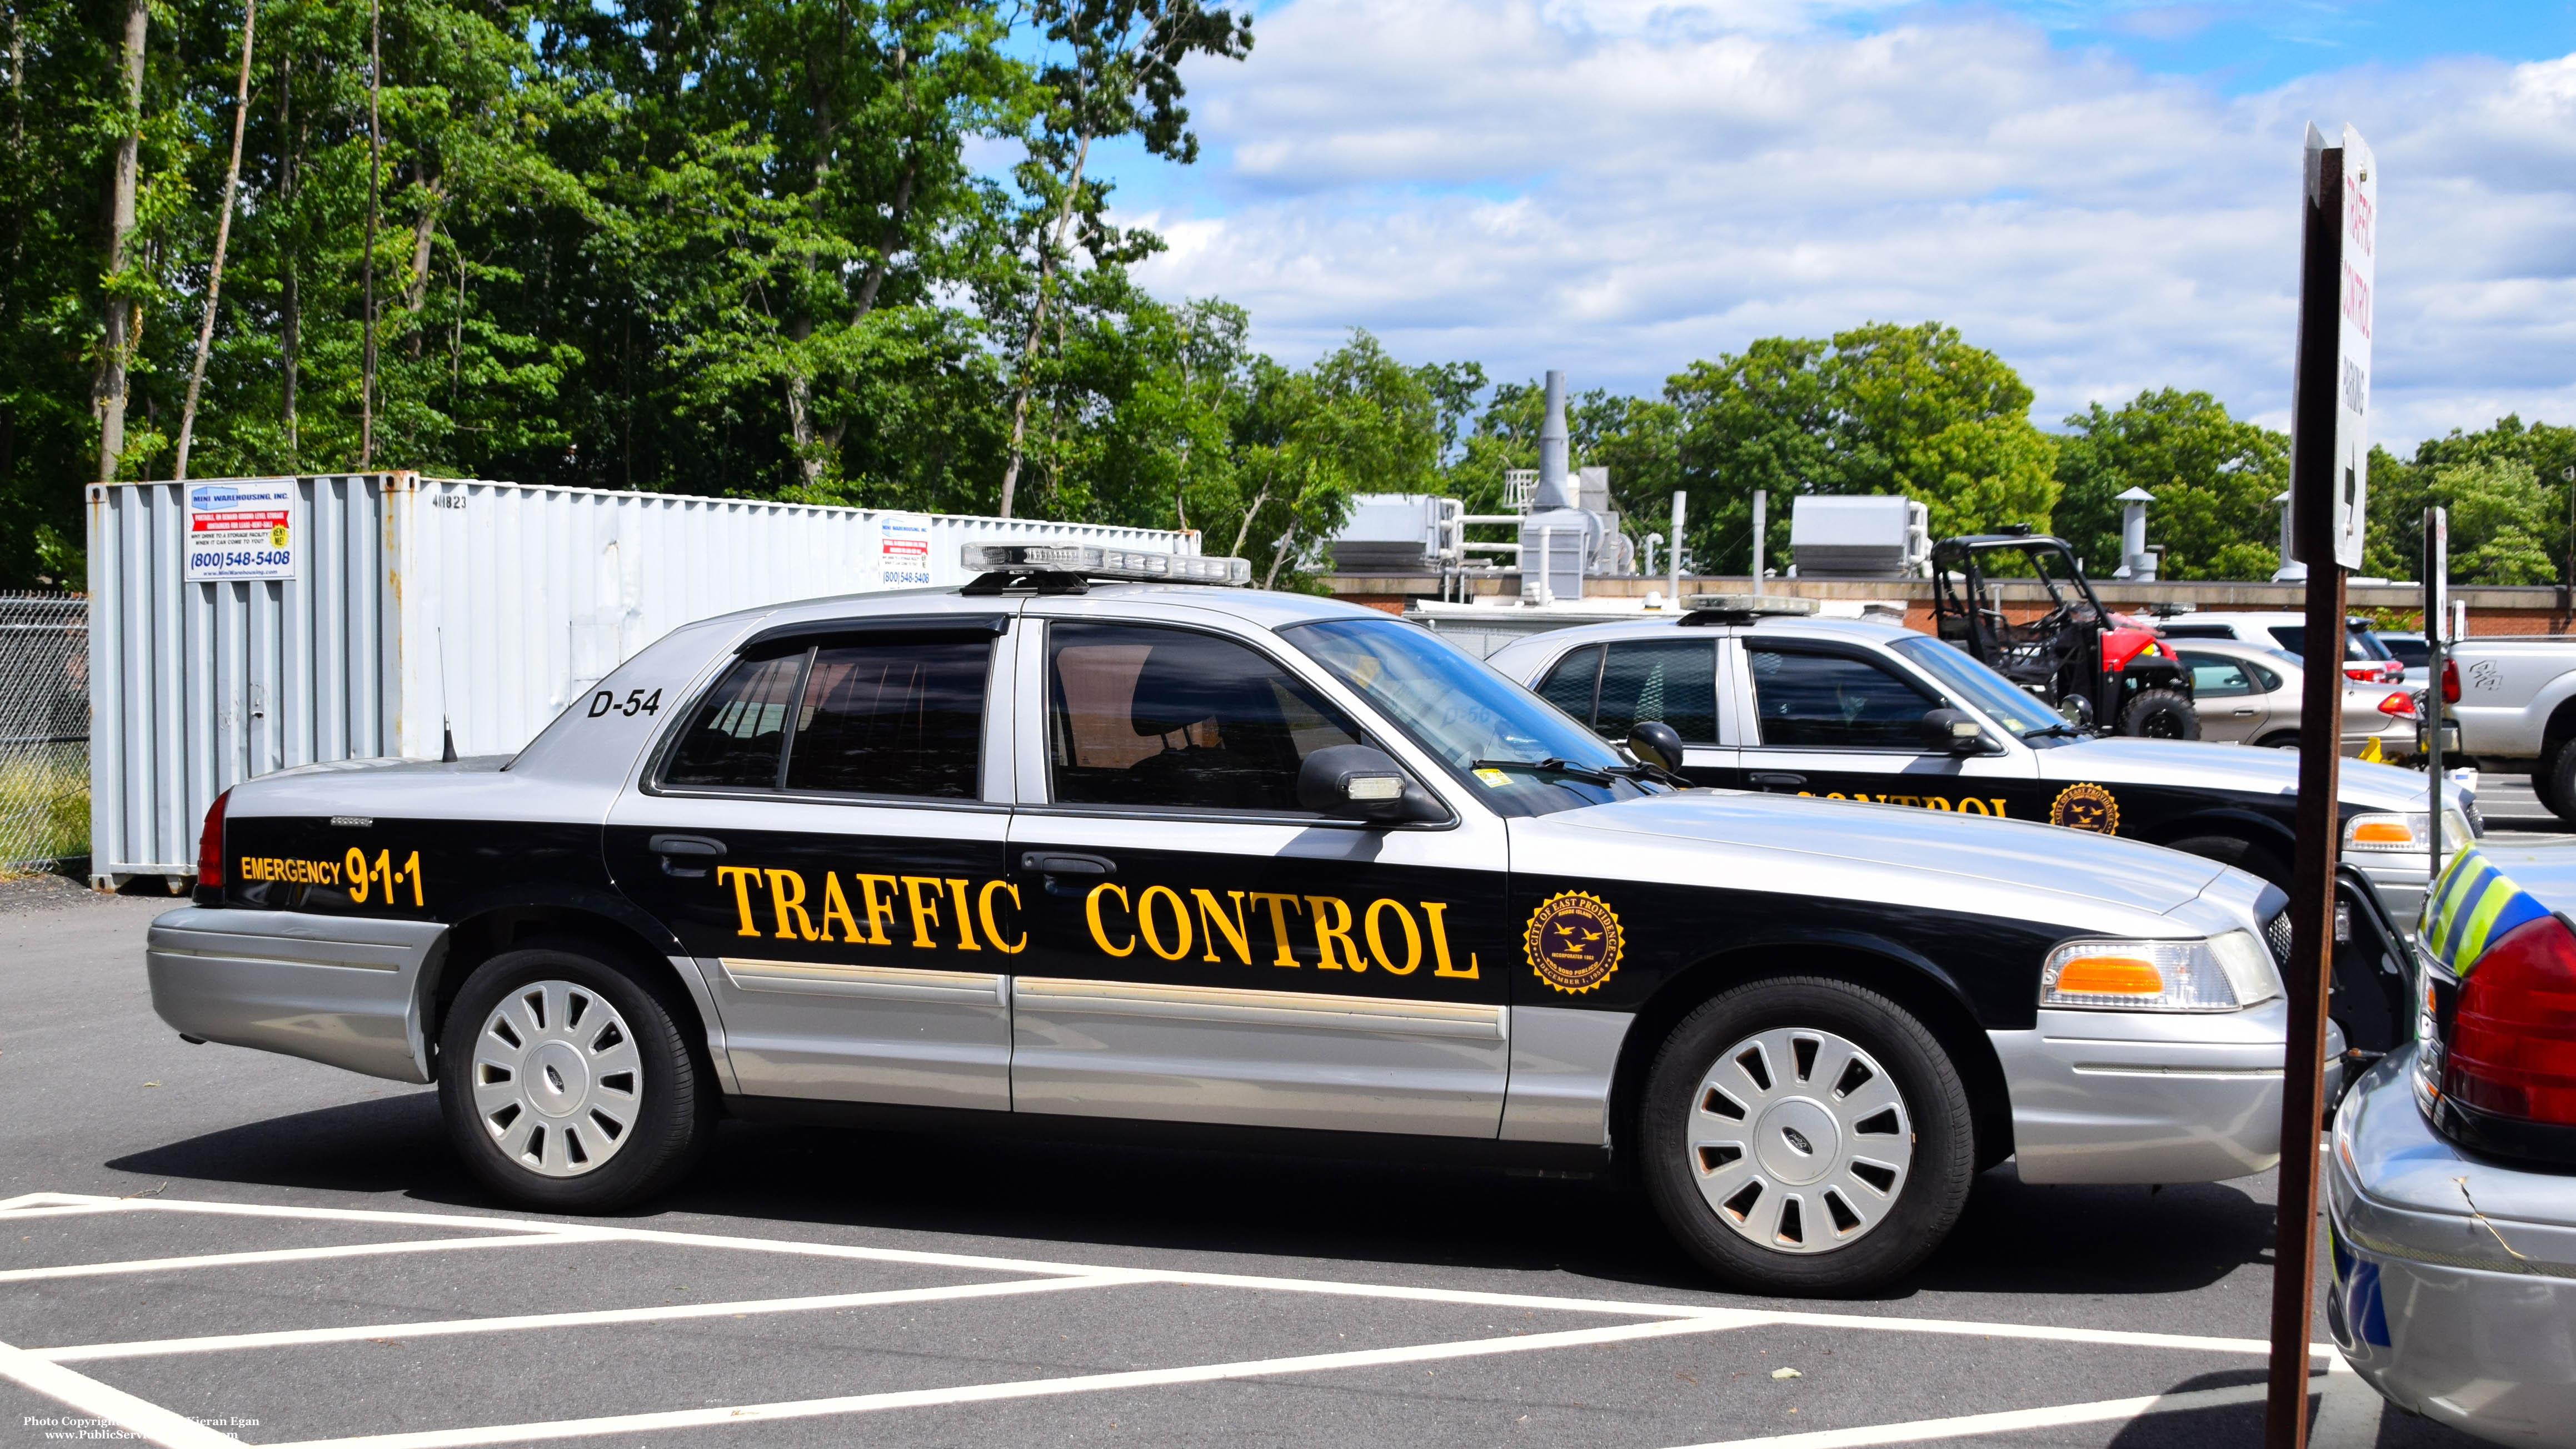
(2509,476)
(2213,477)
(1878,409)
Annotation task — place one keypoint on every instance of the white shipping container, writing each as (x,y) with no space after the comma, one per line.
(417,605)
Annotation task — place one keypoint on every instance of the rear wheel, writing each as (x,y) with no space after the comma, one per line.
(2555,783)
(1805,1135)
(567,1085)
(2285,740)
(2160,714)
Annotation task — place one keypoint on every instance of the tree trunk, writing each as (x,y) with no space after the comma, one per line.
(423,232)
(290,144)
(1037,326)
(375,179)
(223,238)
(120,224)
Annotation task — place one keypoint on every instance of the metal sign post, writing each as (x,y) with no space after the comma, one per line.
(2329,479)
(2437,624)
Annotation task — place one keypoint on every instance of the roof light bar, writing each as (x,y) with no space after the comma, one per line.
(1094,561)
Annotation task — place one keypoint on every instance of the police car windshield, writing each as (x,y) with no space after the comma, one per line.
(1468,715)
(1981,689)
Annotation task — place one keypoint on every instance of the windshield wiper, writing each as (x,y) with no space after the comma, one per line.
(1552,765)
(1650,772)
(2067,731)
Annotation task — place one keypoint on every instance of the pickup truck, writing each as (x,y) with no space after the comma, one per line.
(2515,700)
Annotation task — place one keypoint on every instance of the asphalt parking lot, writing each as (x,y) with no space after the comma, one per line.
(201,1246)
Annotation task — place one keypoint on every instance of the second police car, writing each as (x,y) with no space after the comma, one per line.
(1769,700)
(1049,848)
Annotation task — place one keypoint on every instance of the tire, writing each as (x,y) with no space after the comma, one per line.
(2559,791)
(2243,854)
(567,1084)
(2285,740)
(1724,1158)
(2160,714)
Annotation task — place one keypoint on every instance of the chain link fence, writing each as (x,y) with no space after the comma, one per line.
(44,731)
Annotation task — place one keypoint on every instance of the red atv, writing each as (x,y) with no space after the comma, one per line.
(2103,671)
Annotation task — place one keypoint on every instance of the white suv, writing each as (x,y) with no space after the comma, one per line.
(2365,659)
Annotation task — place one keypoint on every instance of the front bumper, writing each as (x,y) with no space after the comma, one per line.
(2120,1096)
(2400,879)
(336,989)
(2454,1276)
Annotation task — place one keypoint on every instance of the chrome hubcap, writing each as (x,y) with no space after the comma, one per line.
(1799,1140)
(557,1078)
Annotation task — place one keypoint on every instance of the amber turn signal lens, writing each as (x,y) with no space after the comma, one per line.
(2110,976)
(2382,832)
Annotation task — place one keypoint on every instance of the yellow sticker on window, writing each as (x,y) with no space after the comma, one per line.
(1495,778)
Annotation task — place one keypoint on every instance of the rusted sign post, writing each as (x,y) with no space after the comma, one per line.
(2329,483)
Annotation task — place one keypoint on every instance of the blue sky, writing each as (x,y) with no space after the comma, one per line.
(2102,192)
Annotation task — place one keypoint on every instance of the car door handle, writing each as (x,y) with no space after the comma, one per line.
(2246,713)
(1058,862)
(674,849)
(1064,874)
(1775,780)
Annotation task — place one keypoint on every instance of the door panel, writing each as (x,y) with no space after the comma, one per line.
(2226,696)
(1197,953)
(856,944)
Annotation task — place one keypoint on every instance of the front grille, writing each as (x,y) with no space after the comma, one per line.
(2276,934)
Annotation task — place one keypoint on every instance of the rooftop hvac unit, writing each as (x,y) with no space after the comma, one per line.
(1395,533)
(1879,536)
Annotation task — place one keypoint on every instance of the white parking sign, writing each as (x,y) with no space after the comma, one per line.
(242,528)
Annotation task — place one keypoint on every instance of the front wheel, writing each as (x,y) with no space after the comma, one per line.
(2554,784)
(2160,714)
(1804,1135)
(566,1083)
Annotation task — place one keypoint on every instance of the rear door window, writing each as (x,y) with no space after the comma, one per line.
(1573,684)
(898,715)
(1672,680)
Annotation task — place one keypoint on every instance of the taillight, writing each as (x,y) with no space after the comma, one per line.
(2512,1051)
(210,846)
(2450,681)
(2375,671)
(2399,705)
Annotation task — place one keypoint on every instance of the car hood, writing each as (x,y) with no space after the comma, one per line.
(2022,856)
(2546,869)
(2192,764)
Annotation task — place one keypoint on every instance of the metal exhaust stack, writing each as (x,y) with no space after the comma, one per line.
(1558,539)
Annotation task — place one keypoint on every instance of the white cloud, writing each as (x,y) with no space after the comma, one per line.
(1618,188)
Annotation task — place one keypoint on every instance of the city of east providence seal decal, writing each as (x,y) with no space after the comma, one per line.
(2086,807)
(1573,941)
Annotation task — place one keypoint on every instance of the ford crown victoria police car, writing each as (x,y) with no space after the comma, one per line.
(1841,709)
(1047,848)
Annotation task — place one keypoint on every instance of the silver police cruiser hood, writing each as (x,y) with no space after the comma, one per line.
(2019,855)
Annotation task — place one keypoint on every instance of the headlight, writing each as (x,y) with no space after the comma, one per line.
(2222,973)
(2408,833)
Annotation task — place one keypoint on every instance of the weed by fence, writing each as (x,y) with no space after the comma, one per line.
(44,730)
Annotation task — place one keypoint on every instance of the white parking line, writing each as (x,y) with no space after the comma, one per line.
(296,1255)
(140,1417)
(297,1337)
(41,1370)
(1021,1389)
(2101,1411)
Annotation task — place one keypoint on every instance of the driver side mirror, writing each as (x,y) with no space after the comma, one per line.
(1656,743)
(1359,782)
(1953,732)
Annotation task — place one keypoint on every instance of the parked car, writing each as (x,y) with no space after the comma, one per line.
(1849,709)
(2250,695)
(1053,853)
(2451,1184)
(2515,702)
(2410,650)
(2365,659)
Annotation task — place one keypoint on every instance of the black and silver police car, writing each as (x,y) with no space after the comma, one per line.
(1765,698)
(1054,847)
